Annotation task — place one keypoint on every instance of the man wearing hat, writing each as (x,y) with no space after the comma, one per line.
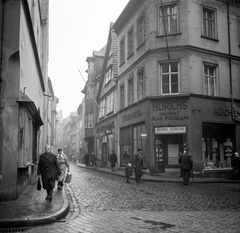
(139,165)
(186,164)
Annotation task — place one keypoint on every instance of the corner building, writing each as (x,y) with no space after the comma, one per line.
(178,82)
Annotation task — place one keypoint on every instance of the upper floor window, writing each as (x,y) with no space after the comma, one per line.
(141,84)
(141,24)
(130,91)
(90,92)
(89,120)
(109,103)
(91,67)
(169,77)
(102,109)
(122,51)
(108,75)
(210,79)
(122,96)
(209,28)
(130,42)
(168,19)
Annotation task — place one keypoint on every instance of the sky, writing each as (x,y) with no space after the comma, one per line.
(76,29)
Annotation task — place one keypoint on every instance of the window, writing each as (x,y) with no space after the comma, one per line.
(130,91)
(130,42)
(90,92)
(141,84)
(209,23)
(108,75)
(169,77)
(210,79)
(102,109)
(168,19)
(109,103)
(141,30)
(89,120)
(122,97)
(122,51)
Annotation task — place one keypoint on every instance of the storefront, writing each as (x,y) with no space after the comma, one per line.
(105,141)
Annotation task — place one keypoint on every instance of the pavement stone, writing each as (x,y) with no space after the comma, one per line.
(31,209)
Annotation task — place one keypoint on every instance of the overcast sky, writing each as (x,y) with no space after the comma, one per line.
(77,28)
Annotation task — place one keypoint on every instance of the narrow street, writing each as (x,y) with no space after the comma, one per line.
(105,203)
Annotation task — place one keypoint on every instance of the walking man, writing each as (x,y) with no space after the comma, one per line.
(49,169)
(138,165)
(113,160)
(186,163)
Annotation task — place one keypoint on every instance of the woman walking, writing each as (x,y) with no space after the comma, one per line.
(64,165)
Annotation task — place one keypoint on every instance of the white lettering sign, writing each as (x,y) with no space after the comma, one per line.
(170,130)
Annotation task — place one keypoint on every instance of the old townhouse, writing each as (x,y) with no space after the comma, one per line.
(178,81)
(24,93)
(95,63)
(107,122)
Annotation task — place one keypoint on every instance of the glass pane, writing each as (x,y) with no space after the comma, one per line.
(174,88)
(174,78)
(165,68)
(174,67)
(165,79)
(211,86)
(165,89)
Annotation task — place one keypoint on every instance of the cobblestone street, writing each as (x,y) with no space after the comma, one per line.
(105,203)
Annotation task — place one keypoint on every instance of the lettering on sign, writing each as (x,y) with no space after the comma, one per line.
(132,116)
(170,130)
(235,113)
(170,110)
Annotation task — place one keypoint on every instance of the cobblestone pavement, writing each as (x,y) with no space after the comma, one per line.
(105,203)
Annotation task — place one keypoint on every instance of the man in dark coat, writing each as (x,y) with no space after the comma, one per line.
(236,164)
(49,169)
(138,165)
(113,160)
(186,164)
(87,159)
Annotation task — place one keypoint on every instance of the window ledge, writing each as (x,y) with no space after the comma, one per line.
(174,34)
(110,113)
(130,56)
(141,45)
(209,38)
(122,64)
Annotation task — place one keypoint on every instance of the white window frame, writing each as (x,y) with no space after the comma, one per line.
(131,90)
(130,41)
(208,21)
(170,74)
(89,120)
(122,50)
(209,89)
(167,29)
(109,103)
(141,30)
(102,107)
(108,75)
(122,96)
(141,84)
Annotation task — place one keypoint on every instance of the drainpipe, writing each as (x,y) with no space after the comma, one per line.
(1,55)
(230,60)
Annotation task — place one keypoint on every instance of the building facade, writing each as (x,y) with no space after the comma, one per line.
(23,92)
(178,82)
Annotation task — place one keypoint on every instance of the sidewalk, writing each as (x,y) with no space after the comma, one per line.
(31,208)
(163,177)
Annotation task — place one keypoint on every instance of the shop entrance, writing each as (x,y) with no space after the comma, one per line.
(167,150)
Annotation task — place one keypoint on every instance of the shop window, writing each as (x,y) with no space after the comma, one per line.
(168,19)
(218,145)
(125,146)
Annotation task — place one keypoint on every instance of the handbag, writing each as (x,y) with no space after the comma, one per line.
(39,185)
(68,177)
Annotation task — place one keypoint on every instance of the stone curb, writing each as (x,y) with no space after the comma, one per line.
(169,180)
(27,222)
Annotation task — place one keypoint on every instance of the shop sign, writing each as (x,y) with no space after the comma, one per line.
(171,130)
(170,110)
(131,116)
(224,112)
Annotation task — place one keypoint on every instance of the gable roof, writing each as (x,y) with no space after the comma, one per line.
(110,47)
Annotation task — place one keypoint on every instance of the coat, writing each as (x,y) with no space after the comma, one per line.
(48,168)
(113,159)
(63,164)
(185,161)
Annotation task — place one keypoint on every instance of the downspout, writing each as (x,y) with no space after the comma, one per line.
(229,59)
(1,55)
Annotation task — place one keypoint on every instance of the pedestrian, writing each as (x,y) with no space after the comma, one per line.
(138,165)
(93,159)
(128,172)
(64,166)
(86,159)
(236,165)
(186,163)
(49,169)
(126,158)
(113,160)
